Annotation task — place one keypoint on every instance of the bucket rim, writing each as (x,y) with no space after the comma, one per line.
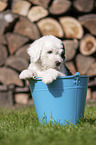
(77,74)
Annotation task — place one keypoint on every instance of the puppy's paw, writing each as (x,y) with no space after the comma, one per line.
(26,74)
(49,76)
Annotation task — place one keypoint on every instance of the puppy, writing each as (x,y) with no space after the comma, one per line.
(47,56)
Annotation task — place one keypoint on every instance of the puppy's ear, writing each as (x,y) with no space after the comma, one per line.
(63,53)
(34,50)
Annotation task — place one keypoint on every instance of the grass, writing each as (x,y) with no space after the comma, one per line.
(21,127)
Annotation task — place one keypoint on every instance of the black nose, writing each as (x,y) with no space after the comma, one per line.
(57,63)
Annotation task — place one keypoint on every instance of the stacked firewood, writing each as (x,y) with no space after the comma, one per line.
(23,21)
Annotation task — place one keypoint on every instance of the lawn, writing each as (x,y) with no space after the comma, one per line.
(21,127)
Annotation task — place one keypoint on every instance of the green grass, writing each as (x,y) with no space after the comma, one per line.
(21,127)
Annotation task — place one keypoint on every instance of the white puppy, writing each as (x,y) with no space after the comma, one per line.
(47,56)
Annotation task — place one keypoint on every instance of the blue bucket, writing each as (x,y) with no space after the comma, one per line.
(61,101)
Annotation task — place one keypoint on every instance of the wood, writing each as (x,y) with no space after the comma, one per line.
(6,20)
(92,70)
(36,13)
(3,88)
(88,45)
(49,26)
(15,41)
(89,22)
(43,3)
(59,7)
(21,7)
(20,90)
(26,28)
(3,54)
(84,6)
(22,52)
(6,99)
(72,28)
(17,63)
(89,94)
(71,67)
(70,48)
(21,98)
(92,82)
(9,76)
(2,39)
(94,95)
(3,5)
(83,63)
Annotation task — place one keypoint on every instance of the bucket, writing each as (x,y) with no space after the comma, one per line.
(61,101)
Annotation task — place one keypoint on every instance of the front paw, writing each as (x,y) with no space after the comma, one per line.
(26,74)
(49,76)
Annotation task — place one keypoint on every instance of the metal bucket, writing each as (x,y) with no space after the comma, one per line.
(61,101)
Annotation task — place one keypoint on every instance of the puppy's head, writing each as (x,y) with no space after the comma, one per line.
(48,51)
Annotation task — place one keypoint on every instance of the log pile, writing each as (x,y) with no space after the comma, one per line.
(23,21)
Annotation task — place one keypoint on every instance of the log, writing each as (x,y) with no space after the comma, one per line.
(9,76)
(88,45)
(15,41)
(21,7)
(2,39)
(71,67)
(3,5)
(26,28)
(20,90)
(17,63)
(36,13)
(3,88)
(71,27)
(70,48)
(89,22)
(89,94)
(92,82)
(59,7)
(3,54)
(94,95)
(6,98)
(83,63)
(43,3)
(21,98)
(7,19)
(84,6)
(92,70)
(22,52)
(49,26)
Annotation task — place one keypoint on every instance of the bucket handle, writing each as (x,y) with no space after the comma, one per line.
(77,78)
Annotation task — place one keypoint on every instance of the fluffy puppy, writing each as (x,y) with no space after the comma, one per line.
(47,56)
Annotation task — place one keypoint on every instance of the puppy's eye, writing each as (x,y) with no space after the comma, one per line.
(49,52)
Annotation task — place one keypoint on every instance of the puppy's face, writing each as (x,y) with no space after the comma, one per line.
(48,51)
(52,56)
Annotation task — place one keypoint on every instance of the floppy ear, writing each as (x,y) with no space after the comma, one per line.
(63,54)
(34,50)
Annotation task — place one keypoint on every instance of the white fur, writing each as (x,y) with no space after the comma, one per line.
(43,61)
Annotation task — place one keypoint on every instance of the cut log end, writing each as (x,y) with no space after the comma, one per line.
(72,28)
(59,7)
(3,5)
(89,22)
(50,26)
(83,6)
(21,7)
(36,13)
(70,48)
(88,45)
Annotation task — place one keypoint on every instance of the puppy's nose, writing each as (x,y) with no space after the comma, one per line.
(57,63)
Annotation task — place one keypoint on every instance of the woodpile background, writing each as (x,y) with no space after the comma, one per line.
(23,21)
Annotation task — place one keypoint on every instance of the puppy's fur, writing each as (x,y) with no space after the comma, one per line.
(47,56)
